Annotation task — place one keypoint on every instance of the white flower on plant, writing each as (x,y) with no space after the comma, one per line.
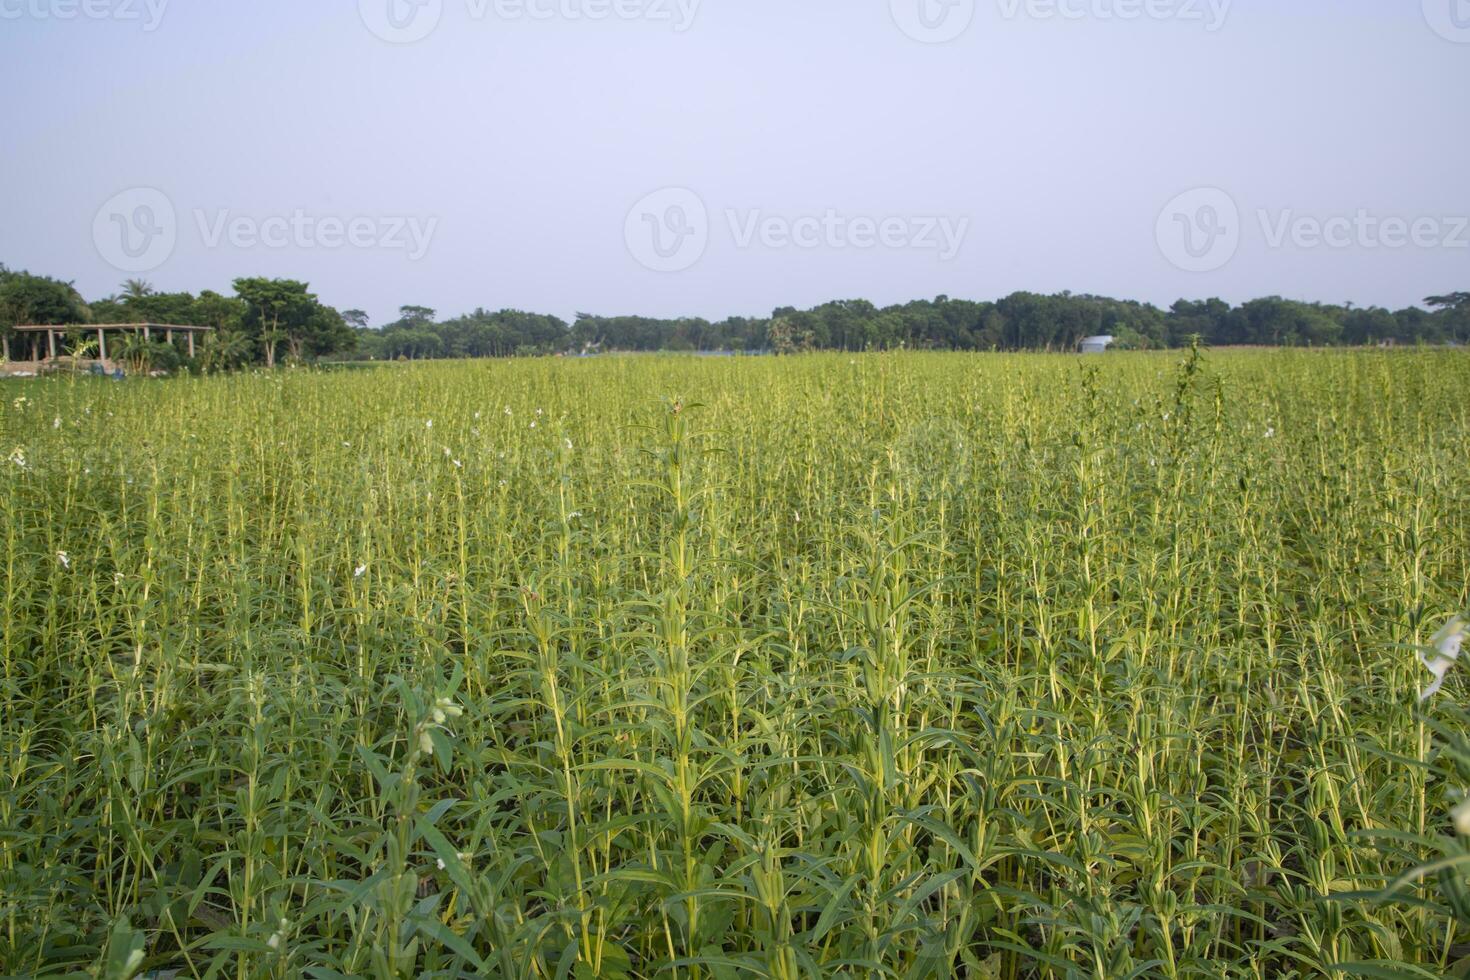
(56,423)
(568,444)
(507,410)
(429,424)
(18,457)
(1460,815)
(64,559)
(1446,650)
(477,416)
(440,863)
(1270,432)
(457,464)
(279,936)
(443,710)
(360,571)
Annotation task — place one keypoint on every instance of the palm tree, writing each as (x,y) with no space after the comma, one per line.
(136,353)
(137,289)
(224,349)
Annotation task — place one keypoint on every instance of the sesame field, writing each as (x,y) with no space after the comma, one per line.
(896,665)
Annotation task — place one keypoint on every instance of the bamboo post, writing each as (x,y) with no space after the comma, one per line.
(51,343)
(101,345)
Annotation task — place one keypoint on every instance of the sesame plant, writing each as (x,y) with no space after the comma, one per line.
(903,665)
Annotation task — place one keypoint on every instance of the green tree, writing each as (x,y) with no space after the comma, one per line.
(1452,315)
(285,311)
(25,298)
(414,317)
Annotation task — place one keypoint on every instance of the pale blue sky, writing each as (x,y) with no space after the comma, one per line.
(518,145)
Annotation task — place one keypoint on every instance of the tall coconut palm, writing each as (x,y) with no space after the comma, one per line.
(137,289)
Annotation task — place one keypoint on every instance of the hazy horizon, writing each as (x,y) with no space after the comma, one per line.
(699,158)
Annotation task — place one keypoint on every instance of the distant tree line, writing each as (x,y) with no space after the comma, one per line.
(416,334)
(1021,321)
(267,321)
